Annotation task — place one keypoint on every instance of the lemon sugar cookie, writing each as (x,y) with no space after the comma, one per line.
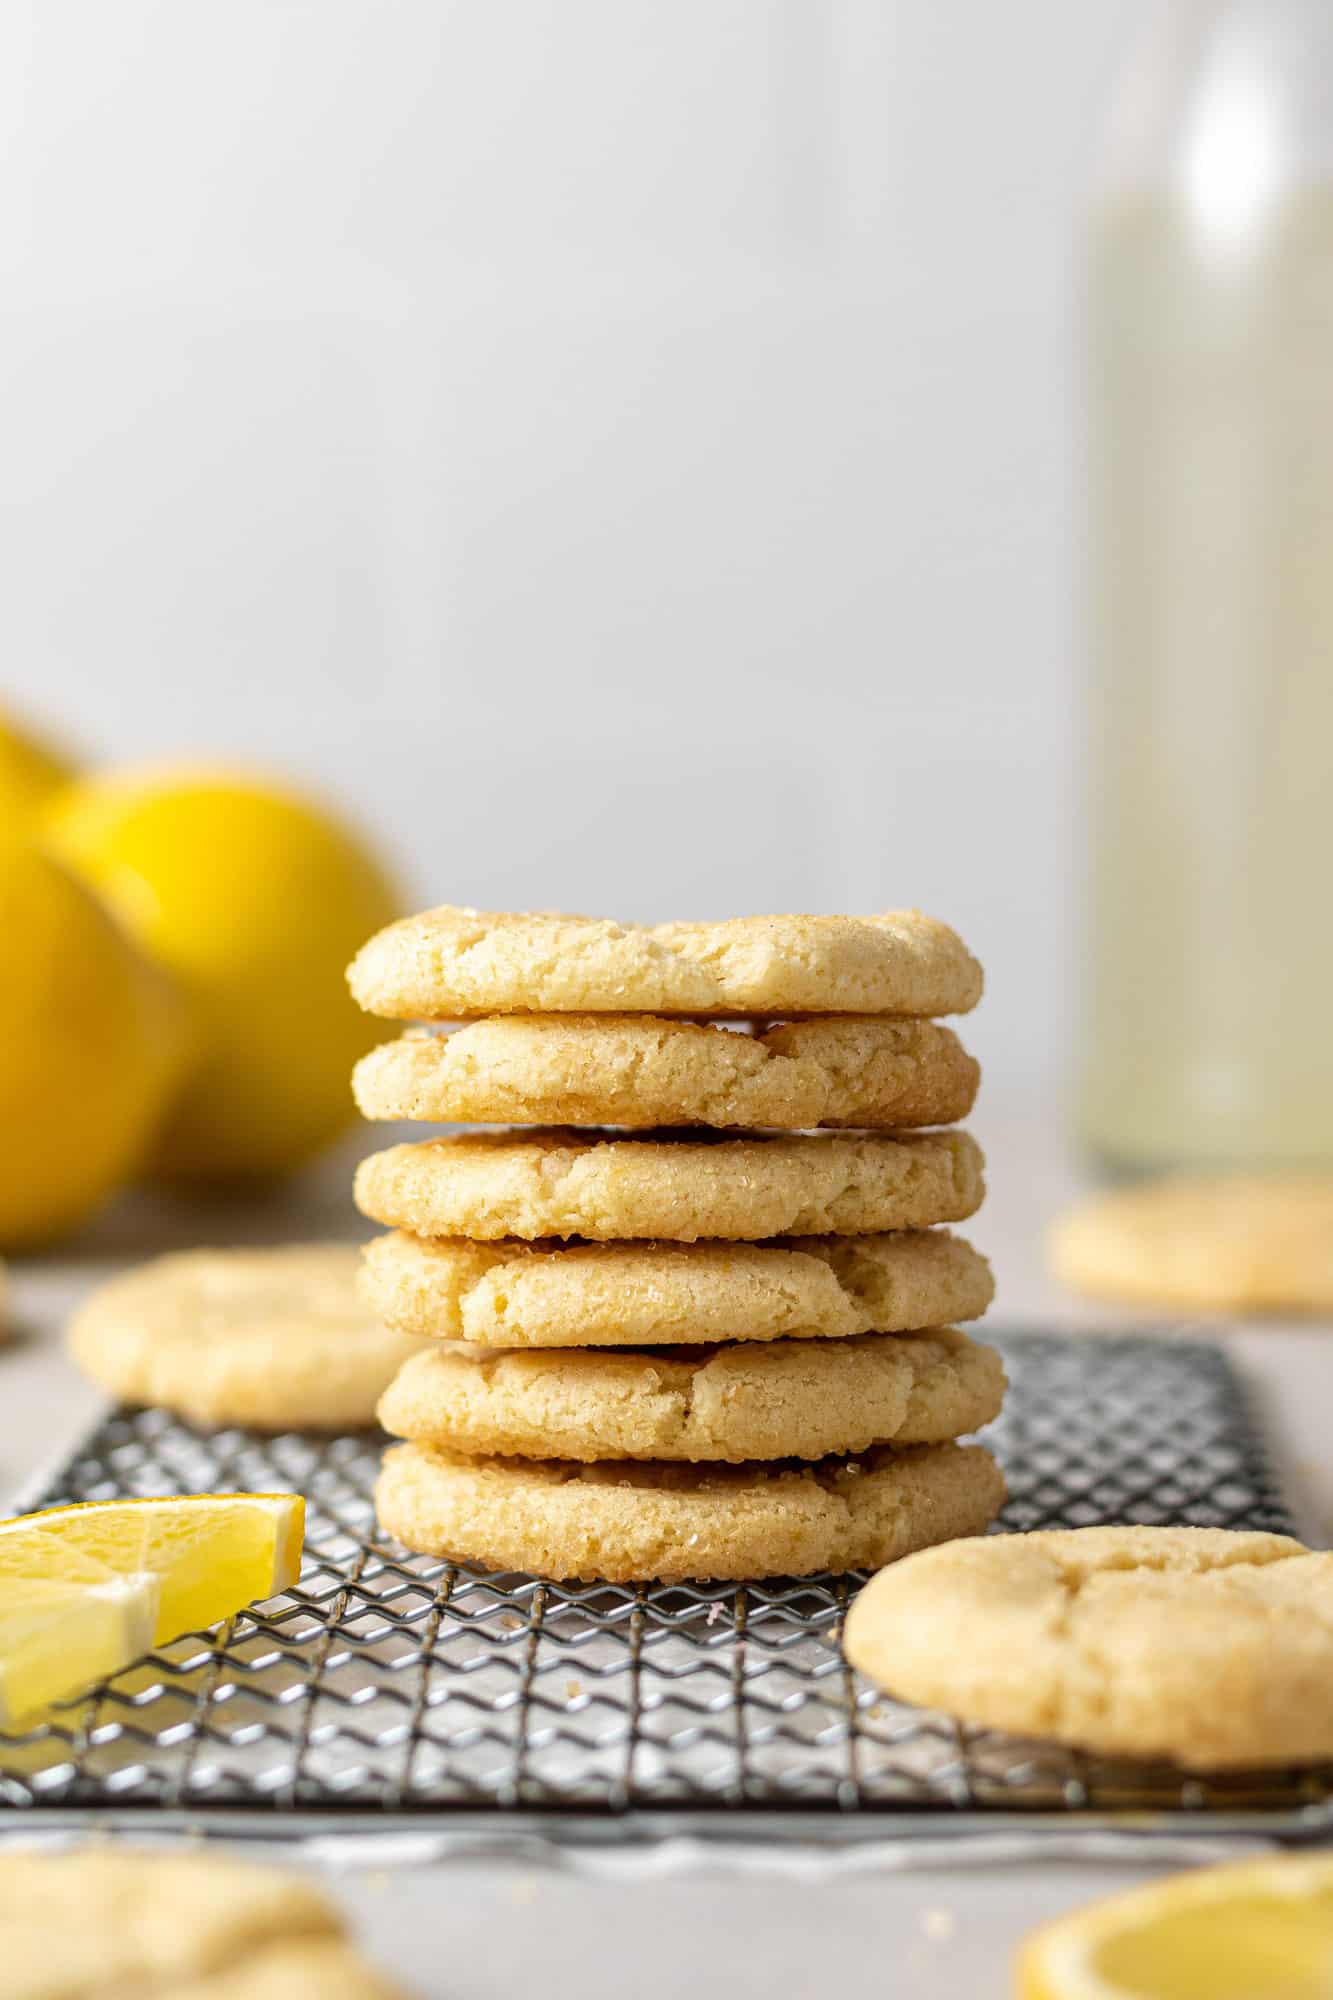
(689,1312)
(568,1183)
(452,963)
(1245,1244)
(624,1520)
(106,1922)
(746,1400)
(641,1072)
(1207,1646)
(274,1338)
(515,1294)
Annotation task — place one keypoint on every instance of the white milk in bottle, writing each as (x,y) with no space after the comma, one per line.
(1208,1023)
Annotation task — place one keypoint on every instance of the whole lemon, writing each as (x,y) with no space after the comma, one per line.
(92,1040)
(255,899)
(30,771)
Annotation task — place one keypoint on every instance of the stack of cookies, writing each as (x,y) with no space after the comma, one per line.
(697,1320)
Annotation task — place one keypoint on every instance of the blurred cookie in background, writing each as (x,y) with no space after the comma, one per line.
(107,1921)
(276,1339)
(1242,1244)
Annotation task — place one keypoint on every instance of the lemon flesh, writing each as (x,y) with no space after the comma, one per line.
(57,1637)
(86,1590)
(1232,1933)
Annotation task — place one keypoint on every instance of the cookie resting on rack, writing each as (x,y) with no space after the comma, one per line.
(1209,1647)
(627,1521)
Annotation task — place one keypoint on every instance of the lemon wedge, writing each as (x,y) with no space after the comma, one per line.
(1231,1933)
(86,1590)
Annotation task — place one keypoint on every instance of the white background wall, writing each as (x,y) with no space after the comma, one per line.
(625,450)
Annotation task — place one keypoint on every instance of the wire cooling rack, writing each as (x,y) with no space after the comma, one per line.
(389,1688)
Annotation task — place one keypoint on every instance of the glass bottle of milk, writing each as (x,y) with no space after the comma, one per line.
(1208,1023)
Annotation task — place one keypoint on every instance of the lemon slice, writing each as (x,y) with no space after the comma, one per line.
(1234,1933)
(85,1590)
(87,1630)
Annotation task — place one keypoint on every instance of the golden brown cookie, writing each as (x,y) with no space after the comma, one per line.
(1204,1245)
(275,1338)
(107,1923)
(328,1968)
(449,964)
(634,1071)
(533,1184)
(1205,1646)
(514,1294)
(626,1520)
(774,1399)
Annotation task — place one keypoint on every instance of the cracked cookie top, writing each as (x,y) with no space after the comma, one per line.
(625,1519)
(745,1400)
(514,1294)
(682,1187)
(451,963)
(1208,1646)
(637,1071)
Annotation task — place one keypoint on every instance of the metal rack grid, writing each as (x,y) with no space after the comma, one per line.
(392,1684)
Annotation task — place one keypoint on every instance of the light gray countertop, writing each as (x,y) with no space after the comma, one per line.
(687,1922)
